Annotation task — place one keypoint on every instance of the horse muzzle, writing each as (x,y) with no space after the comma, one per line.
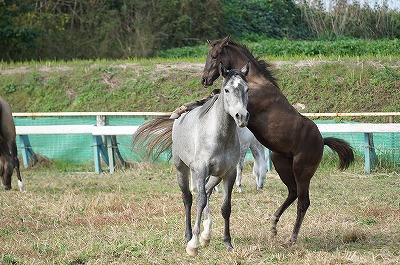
(242,119)
(206,82)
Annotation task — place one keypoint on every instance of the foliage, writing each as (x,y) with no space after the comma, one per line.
(17,37)
(351,19)
(66,30)
(272,18)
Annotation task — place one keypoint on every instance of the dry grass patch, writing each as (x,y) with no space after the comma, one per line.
(137,217)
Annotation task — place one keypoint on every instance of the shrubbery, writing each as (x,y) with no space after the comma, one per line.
(41,30)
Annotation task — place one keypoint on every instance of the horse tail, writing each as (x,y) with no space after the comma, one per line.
(343,149)
(155,137)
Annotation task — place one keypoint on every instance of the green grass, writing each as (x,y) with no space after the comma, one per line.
(137,217)
(323,85)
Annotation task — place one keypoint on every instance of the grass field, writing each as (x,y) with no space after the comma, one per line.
(137,217)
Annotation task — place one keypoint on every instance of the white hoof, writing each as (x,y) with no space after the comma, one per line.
(205,241)
(21,186)
(192,251)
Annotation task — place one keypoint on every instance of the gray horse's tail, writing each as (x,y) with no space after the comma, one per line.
(154,137)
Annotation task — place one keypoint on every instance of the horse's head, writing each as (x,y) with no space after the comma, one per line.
(235,93)
(6,171)
(216,55)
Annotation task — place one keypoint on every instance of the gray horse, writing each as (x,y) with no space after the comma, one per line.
(205,142)
(8,147)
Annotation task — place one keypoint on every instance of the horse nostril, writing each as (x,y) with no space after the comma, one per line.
(247,116)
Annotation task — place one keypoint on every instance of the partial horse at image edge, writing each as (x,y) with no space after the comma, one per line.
(8,147)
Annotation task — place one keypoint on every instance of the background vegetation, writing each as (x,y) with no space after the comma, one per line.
(117,29)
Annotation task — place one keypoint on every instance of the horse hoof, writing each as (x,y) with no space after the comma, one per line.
(204,242)
(289,243)
(21,186)
(229,247)
(192,251)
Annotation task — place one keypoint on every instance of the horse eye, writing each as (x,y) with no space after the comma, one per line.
(226,90)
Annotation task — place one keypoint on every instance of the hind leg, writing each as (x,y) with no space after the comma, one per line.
(303,172)
(16,166)
(260,163)
(283,165)
(239,169)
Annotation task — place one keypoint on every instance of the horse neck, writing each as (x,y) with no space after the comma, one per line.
(239,57)
(264,91)
(221,119)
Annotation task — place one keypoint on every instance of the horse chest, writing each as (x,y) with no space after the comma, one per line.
(219,159)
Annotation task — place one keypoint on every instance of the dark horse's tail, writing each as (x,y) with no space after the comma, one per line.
(155,137)
(343,149)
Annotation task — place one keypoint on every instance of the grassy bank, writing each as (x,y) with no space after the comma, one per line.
(323,85)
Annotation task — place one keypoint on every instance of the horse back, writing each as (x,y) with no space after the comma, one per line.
(7,126)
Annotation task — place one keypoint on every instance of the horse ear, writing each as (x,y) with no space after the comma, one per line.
(246,68)
(225,41)
(222,70)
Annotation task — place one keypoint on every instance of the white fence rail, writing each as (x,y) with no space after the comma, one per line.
(108,153)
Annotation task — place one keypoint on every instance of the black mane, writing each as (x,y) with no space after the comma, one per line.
(263,66)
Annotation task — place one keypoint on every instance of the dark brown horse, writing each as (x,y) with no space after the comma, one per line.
(295,141)
(8,147)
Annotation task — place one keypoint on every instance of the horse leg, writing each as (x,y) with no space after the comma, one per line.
(16,165)
(182,175)
(303,172)
(239,169)
(201,202)
(226,207)
(260,164)
(284,166)
(244,146)
(205,236)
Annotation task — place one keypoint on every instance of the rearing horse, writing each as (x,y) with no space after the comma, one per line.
(295,141)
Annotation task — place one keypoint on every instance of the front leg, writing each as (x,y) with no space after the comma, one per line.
(226,207)
(201,202)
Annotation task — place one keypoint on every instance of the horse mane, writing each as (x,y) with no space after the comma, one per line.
(207,105)
(262,65)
